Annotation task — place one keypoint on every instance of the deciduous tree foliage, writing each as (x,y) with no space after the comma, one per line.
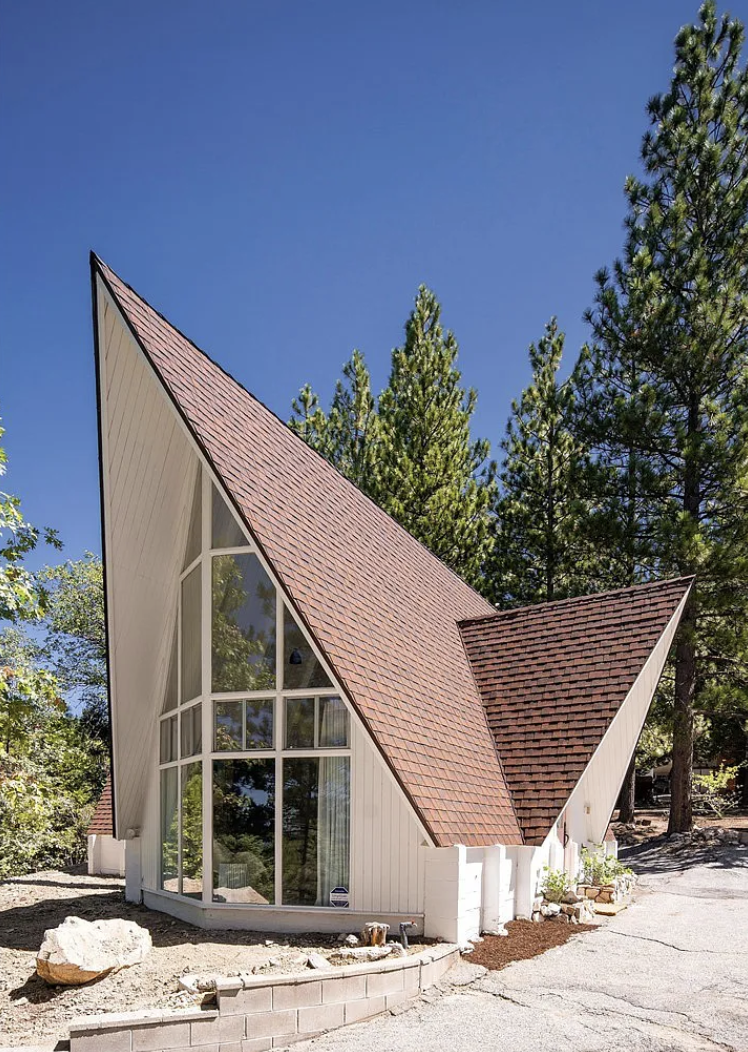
(679,299)
(75,642)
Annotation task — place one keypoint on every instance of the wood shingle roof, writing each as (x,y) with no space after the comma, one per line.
(383,610)
(553,676)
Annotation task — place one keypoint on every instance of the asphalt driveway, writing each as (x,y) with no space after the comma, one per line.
(670,973)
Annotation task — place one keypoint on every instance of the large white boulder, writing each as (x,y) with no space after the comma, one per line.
(78,951)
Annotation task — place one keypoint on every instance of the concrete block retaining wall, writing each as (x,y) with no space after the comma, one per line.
(263,1012)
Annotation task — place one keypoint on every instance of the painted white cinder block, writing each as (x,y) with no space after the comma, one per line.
(453,893)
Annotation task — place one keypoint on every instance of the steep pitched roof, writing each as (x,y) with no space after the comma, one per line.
(383,609)
(553,676)
(102,822)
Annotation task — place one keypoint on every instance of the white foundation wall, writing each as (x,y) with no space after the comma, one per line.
(106,856)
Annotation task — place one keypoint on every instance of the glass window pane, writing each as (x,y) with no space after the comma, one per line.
(333,724)
(299,723)
(316,829)
(228,726)
(244,831)
(168,744)
(191,657)
(169,821)
(192,830)
(243,638)
(301,669)
(192,731)
(259,724)
(170,694)
(195,533)
(225,530)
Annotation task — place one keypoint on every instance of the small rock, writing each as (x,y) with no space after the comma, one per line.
(537,916)
(275,962)
(316,960)
(550,909)
(269,942)
(466,948)
(351,940)
(363,953)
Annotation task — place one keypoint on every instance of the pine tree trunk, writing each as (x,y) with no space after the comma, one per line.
(681,805)
(627,799)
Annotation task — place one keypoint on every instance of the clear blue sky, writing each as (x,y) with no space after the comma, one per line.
(278,178)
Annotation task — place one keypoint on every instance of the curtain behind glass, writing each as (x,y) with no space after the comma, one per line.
(333,826)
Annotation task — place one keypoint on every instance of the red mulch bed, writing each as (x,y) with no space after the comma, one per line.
(525,939)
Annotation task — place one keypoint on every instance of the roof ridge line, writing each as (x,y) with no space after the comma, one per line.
(98,262)
(588,598)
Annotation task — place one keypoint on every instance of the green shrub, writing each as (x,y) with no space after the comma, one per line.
(599,868)
(712,792)
(555,884)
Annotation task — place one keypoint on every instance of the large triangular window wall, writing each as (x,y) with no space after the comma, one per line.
(260,715)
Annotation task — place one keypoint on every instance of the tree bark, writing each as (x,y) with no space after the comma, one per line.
(681,804)
(627,800)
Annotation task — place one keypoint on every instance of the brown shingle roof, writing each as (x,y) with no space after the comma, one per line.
(381,607)
(552,678)
(102,823)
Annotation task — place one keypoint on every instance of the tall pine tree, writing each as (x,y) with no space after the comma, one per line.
(347,435)
(411,449)
(679,297)
(540,552)
(432,477)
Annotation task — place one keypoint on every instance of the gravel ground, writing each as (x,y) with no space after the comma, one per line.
(669,974)
(32,1013)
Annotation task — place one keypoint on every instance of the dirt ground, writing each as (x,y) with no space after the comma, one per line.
(525,940)
(32,1013)
(653,823)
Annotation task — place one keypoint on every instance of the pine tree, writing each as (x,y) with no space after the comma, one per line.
(347,435)
(540,549)
(679,299)
(431,476)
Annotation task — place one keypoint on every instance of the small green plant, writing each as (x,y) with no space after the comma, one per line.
(714,793)
(599,869)
(555,884)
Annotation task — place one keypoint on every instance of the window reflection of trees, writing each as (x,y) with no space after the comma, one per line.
(244,831)
(243,637)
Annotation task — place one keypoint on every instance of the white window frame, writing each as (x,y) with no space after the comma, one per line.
(208,698)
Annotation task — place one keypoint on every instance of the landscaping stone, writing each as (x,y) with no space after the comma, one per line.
(316,960)
(79,951)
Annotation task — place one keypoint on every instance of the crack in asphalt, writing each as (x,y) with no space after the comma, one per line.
(705,1043)
(672,946)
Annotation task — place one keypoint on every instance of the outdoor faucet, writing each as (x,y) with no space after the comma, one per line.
(404,932)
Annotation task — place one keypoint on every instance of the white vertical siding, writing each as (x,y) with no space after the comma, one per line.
(148,476)
(386,863)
